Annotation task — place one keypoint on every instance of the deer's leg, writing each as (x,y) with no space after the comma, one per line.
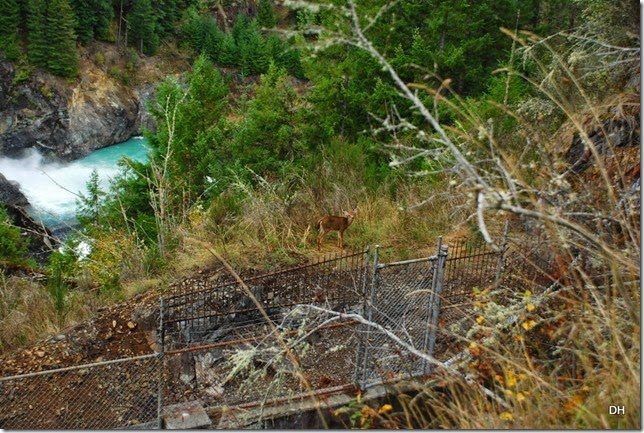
(320,237)
(341,239)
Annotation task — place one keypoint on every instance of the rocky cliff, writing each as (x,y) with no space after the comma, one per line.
(67,120)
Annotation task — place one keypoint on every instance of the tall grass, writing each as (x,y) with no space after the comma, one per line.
(29,312)
(267,223)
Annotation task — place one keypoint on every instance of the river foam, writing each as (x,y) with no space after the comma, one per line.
(52,188)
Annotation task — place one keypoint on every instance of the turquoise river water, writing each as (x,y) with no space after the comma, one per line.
(52,188)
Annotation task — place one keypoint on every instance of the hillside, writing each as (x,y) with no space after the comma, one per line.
(263,119)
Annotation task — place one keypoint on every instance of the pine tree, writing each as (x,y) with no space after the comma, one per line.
(201,34)
(104,17)
(266,14)
(9,20)
(197,129)
(228,53)
(142,27)
(13,247)
(269,135)
(84,11)
(253,58)
(89,207)
(93,19)
(62,39)
(166,13)
(38,50)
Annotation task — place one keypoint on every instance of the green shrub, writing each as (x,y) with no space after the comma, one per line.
(13,247)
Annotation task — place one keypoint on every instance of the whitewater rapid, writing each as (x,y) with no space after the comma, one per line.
(53,188)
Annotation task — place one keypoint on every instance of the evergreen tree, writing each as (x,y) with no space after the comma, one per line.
(104,17)
(89,206)
(240,28)
(61,39)
(269,136)
(283,55)
(197,128)
(9,20)
(164,16)
(142,27)
(85,19)
(93,19)
(266,14)
(201,34)
(37,26)
(228,54)
(253,58)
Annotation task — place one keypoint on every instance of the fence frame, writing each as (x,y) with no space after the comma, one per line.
(436,265)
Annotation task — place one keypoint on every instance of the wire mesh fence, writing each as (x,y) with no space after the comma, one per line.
(227,312)
(470,266)
(274,337)
(105,395)
(404,300)
(281,365)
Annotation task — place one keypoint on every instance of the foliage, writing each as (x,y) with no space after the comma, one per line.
(61,39)
(13,247)
(265,14)
(93,19)
(51,30)
(343,97)
(201,34)
(38,50)
(62,266)
(268,138)
(89,207)
(9,26)
(142,27)
(191,129)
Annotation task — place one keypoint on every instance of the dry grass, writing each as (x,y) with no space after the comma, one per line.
(273,223)
(27,312)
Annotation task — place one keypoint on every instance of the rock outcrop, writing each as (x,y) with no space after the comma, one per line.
(10,194)
(63,120)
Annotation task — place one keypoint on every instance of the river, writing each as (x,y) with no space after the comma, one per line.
(52,188)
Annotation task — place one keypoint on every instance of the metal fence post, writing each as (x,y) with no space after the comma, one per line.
(500,266)
(434,302)
(361,343)
(161,365)
(369,311)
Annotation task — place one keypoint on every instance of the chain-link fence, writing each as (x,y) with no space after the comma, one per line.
(404,299)
(229,311)
(272,338)
(106,395)
(273,367)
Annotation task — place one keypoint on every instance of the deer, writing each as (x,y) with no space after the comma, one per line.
(331,223)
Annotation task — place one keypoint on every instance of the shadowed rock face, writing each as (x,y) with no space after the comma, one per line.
(10,194)
(41,240)
(64,121)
